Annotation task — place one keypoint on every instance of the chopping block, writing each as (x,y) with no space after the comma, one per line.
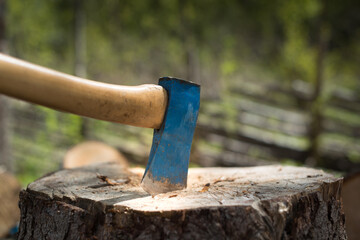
(105,201)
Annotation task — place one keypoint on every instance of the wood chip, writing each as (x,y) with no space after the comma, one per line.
(112,182)
(205,188)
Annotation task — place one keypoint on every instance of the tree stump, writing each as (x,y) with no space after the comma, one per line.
(105,202)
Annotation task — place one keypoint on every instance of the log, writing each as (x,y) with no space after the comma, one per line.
(104,201)
(9,198)
(90,152)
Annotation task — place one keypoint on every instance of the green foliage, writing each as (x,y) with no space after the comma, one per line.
(37,33)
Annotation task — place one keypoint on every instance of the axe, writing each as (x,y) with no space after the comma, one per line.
(170,108)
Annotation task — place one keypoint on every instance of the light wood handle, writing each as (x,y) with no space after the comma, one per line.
(142,106)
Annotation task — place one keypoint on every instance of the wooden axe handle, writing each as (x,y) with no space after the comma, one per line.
(142,106)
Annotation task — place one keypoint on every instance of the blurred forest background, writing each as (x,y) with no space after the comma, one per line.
(280,79)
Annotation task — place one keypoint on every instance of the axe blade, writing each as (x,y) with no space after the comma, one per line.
(168,162)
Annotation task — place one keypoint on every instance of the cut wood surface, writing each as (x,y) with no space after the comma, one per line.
(105,202)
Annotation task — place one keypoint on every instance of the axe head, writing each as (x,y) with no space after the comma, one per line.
(168,163)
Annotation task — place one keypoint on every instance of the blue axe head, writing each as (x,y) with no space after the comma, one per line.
(168,163)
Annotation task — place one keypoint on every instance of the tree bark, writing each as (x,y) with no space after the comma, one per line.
(105,202)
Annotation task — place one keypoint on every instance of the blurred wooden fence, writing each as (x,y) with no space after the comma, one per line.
(271,123)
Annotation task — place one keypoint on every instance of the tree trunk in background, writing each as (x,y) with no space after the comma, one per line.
(2,25)
(192,61)
(209,80)
(316,107)
(80,53)
(5,158)
(191,53)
